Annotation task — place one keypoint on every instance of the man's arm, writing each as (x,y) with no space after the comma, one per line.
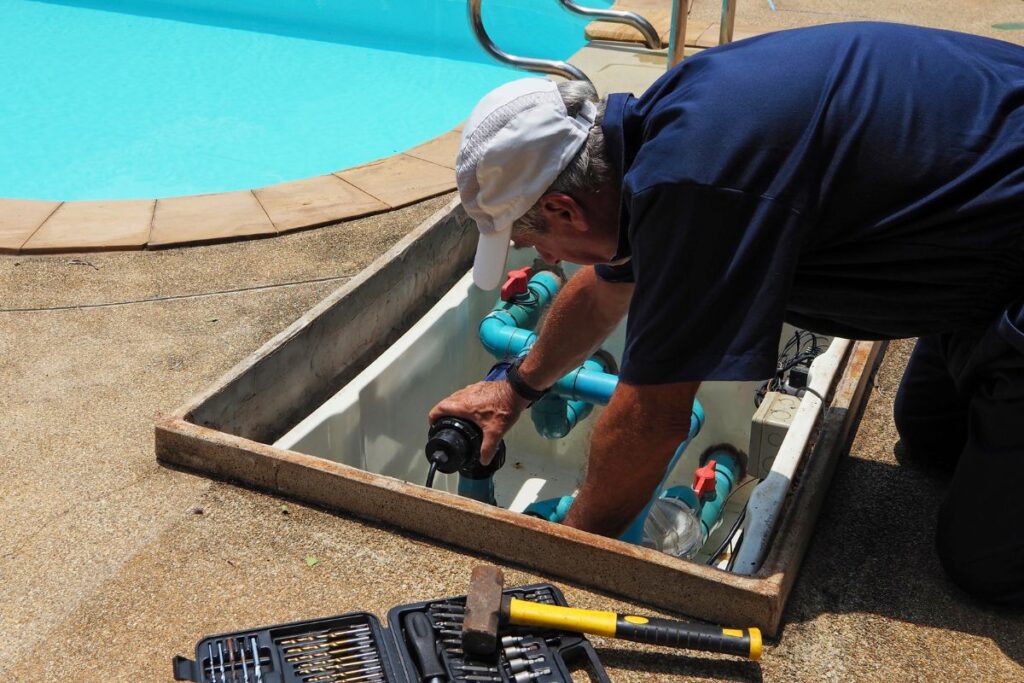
(582,315)
(631,446)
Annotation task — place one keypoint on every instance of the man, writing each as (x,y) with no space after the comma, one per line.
(860,180)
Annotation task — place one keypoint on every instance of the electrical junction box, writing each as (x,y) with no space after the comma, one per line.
(767,430)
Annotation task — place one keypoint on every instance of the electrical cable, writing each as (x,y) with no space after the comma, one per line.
(800,350)
(735,524)
(734,553)
(812,392)
(176,297)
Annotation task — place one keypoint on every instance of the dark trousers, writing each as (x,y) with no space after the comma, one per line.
(961,407)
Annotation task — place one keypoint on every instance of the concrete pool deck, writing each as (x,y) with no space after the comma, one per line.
(111,564)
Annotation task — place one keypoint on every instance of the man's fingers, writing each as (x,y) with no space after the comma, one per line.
(488,447)
(436,413)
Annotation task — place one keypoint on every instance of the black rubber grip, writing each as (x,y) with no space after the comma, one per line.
(703,637)
(420,635)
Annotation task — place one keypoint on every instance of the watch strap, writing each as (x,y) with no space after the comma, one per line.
(519,385)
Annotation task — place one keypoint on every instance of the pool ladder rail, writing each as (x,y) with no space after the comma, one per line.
(652,40)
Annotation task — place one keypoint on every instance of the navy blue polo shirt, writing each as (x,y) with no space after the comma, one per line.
(861,180)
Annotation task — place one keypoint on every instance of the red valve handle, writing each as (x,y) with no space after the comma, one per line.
(515,284)
(704,480)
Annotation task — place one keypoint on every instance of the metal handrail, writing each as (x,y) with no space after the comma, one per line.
(726,22)
(651,38)
(677,32)
(547,66)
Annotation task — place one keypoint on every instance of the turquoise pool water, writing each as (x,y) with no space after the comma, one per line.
(108,99)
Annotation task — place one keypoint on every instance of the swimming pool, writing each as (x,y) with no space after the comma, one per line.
(119,99)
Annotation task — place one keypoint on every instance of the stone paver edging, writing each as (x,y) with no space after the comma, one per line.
(427,170)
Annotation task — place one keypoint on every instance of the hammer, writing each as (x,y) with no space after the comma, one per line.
(488,608)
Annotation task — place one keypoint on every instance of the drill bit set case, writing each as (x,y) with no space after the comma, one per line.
(421,644)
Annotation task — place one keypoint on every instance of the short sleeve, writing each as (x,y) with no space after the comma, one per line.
(713,271)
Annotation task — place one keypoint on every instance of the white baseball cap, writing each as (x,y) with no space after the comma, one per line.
(516,142)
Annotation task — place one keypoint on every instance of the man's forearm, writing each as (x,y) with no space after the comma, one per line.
(582,315)
(632,445)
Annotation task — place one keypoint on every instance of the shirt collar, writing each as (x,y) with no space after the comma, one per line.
(615,147)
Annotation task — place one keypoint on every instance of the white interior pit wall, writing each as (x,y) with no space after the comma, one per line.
(378,422)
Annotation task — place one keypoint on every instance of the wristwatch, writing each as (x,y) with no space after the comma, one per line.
(519,385)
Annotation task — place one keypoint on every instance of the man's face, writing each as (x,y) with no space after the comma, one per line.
(572,234)
(554,246)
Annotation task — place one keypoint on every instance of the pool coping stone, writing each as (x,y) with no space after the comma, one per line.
(92,226)
(20,219)
(39,226)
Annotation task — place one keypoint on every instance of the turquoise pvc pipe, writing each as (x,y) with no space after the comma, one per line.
(500,336)
(507,330)
(478,489)
(552,509)
(587,384)
(635,532)
(727,474)
(554,416)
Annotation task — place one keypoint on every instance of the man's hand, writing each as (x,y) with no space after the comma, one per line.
(491,406)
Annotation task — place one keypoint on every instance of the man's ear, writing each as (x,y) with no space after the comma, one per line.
(561,210)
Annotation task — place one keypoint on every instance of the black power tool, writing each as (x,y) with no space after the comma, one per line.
(454,446)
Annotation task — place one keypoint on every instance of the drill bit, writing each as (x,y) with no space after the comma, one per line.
(245,667)
(450,606)
(458,617)
(325,645)
(338,662)
(326,633)
(344,675)
(209,649)
(220,656)
(445,623)
(329,654)
(472,668)
(256,658)
(231,659)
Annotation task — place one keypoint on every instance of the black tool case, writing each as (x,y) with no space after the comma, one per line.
(356,648)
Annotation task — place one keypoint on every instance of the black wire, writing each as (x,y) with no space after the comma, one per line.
(430,475)
(735,551)
(812,392)
(800,349)
(736,523)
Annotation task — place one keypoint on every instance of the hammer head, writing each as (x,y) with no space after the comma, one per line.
(483,611)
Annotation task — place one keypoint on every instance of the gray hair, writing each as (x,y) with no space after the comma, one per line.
(588,171)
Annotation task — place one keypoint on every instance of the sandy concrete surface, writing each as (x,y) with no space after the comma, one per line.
(105,552)
(111,564)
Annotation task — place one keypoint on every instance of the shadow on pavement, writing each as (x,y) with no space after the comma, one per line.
(873,552)
(676,664)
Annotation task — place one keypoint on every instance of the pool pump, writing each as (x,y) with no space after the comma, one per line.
(453,445)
